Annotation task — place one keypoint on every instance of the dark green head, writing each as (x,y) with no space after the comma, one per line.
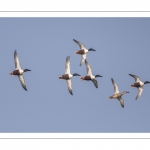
(98,76)
(25,70)
(91,49)
(146,82)
(75,74)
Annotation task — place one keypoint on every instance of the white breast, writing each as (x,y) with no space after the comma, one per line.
(92,77)
(21,71)
(70,76)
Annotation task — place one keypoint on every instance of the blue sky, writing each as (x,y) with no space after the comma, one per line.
(122,47)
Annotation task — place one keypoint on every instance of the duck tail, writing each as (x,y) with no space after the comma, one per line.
(132,85)
(11,73)
(110,97)
(60,77)
(76,52)
(82,78)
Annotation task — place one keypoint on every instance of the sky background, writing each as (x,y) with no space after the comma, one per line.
(122,47)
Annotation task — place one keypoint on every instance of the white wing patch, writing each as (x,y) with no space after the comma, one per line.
(67,66)
(69,84)
(16,59)
(140,90)
(121,102)
(116,89)
(22,81)
(80,44)
(83,57)
(88,68)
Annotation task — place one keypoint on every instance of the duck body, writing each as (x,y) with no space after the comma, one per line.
(138,84)
(66,76)
(83,51)
(17,72)
(117,94)
(88,78)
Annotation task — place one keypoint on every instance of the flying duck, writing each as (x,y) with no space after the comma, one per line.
(83,51)
(117,94)
(18,71)
(138,84)
(89,75)
(67,76)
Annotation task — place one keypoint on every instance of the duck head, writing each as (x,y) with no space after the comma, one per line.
(91,49)
(98,76)
(25,70)
(146,82)
(75,74)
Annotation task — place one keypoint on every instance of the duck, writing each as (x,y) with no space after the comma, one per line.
(90,76)
(117,94)
(83,51)
(138,84)
(18,71)
(67,76)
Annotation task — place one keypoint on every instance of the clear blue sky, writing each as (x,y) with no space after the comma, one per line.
(122,46)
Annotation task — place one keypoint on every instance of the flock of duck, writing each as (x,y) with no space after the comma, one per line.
(89,76)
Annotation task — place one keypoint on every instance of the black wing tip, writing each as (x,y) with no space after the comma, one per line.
(25,89)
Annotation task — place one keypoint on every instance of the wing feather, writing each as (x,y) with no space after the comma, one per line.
(80,44)
(116,89)
(140,90)
(16,60)
(69,84)
(67,66)
(88,68)
(22,81)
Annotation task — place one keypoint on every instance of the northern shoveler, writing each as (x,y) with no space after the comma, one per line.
(117,94)
(18,71)
(89,76)
(138,84)
(83,51)
(67,76)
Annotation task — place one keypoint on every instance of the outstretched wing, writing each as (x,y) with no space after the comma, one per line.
(69,84)
(67,66)
(83,57)
(140,90)
(95,82)
(22,81)
(16,59)
(121,101)
(88,68)
(80,44)
(137,79)
(116,89)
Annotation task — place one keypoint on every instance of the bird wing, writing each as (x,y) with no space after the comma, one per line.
(67,66)
(80,44)
(88,68)
(22,81)
(116,89)
(121,101)
(137,79)
(95,82)
(140,90)
(83,57)
(16,59)
(69,84)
